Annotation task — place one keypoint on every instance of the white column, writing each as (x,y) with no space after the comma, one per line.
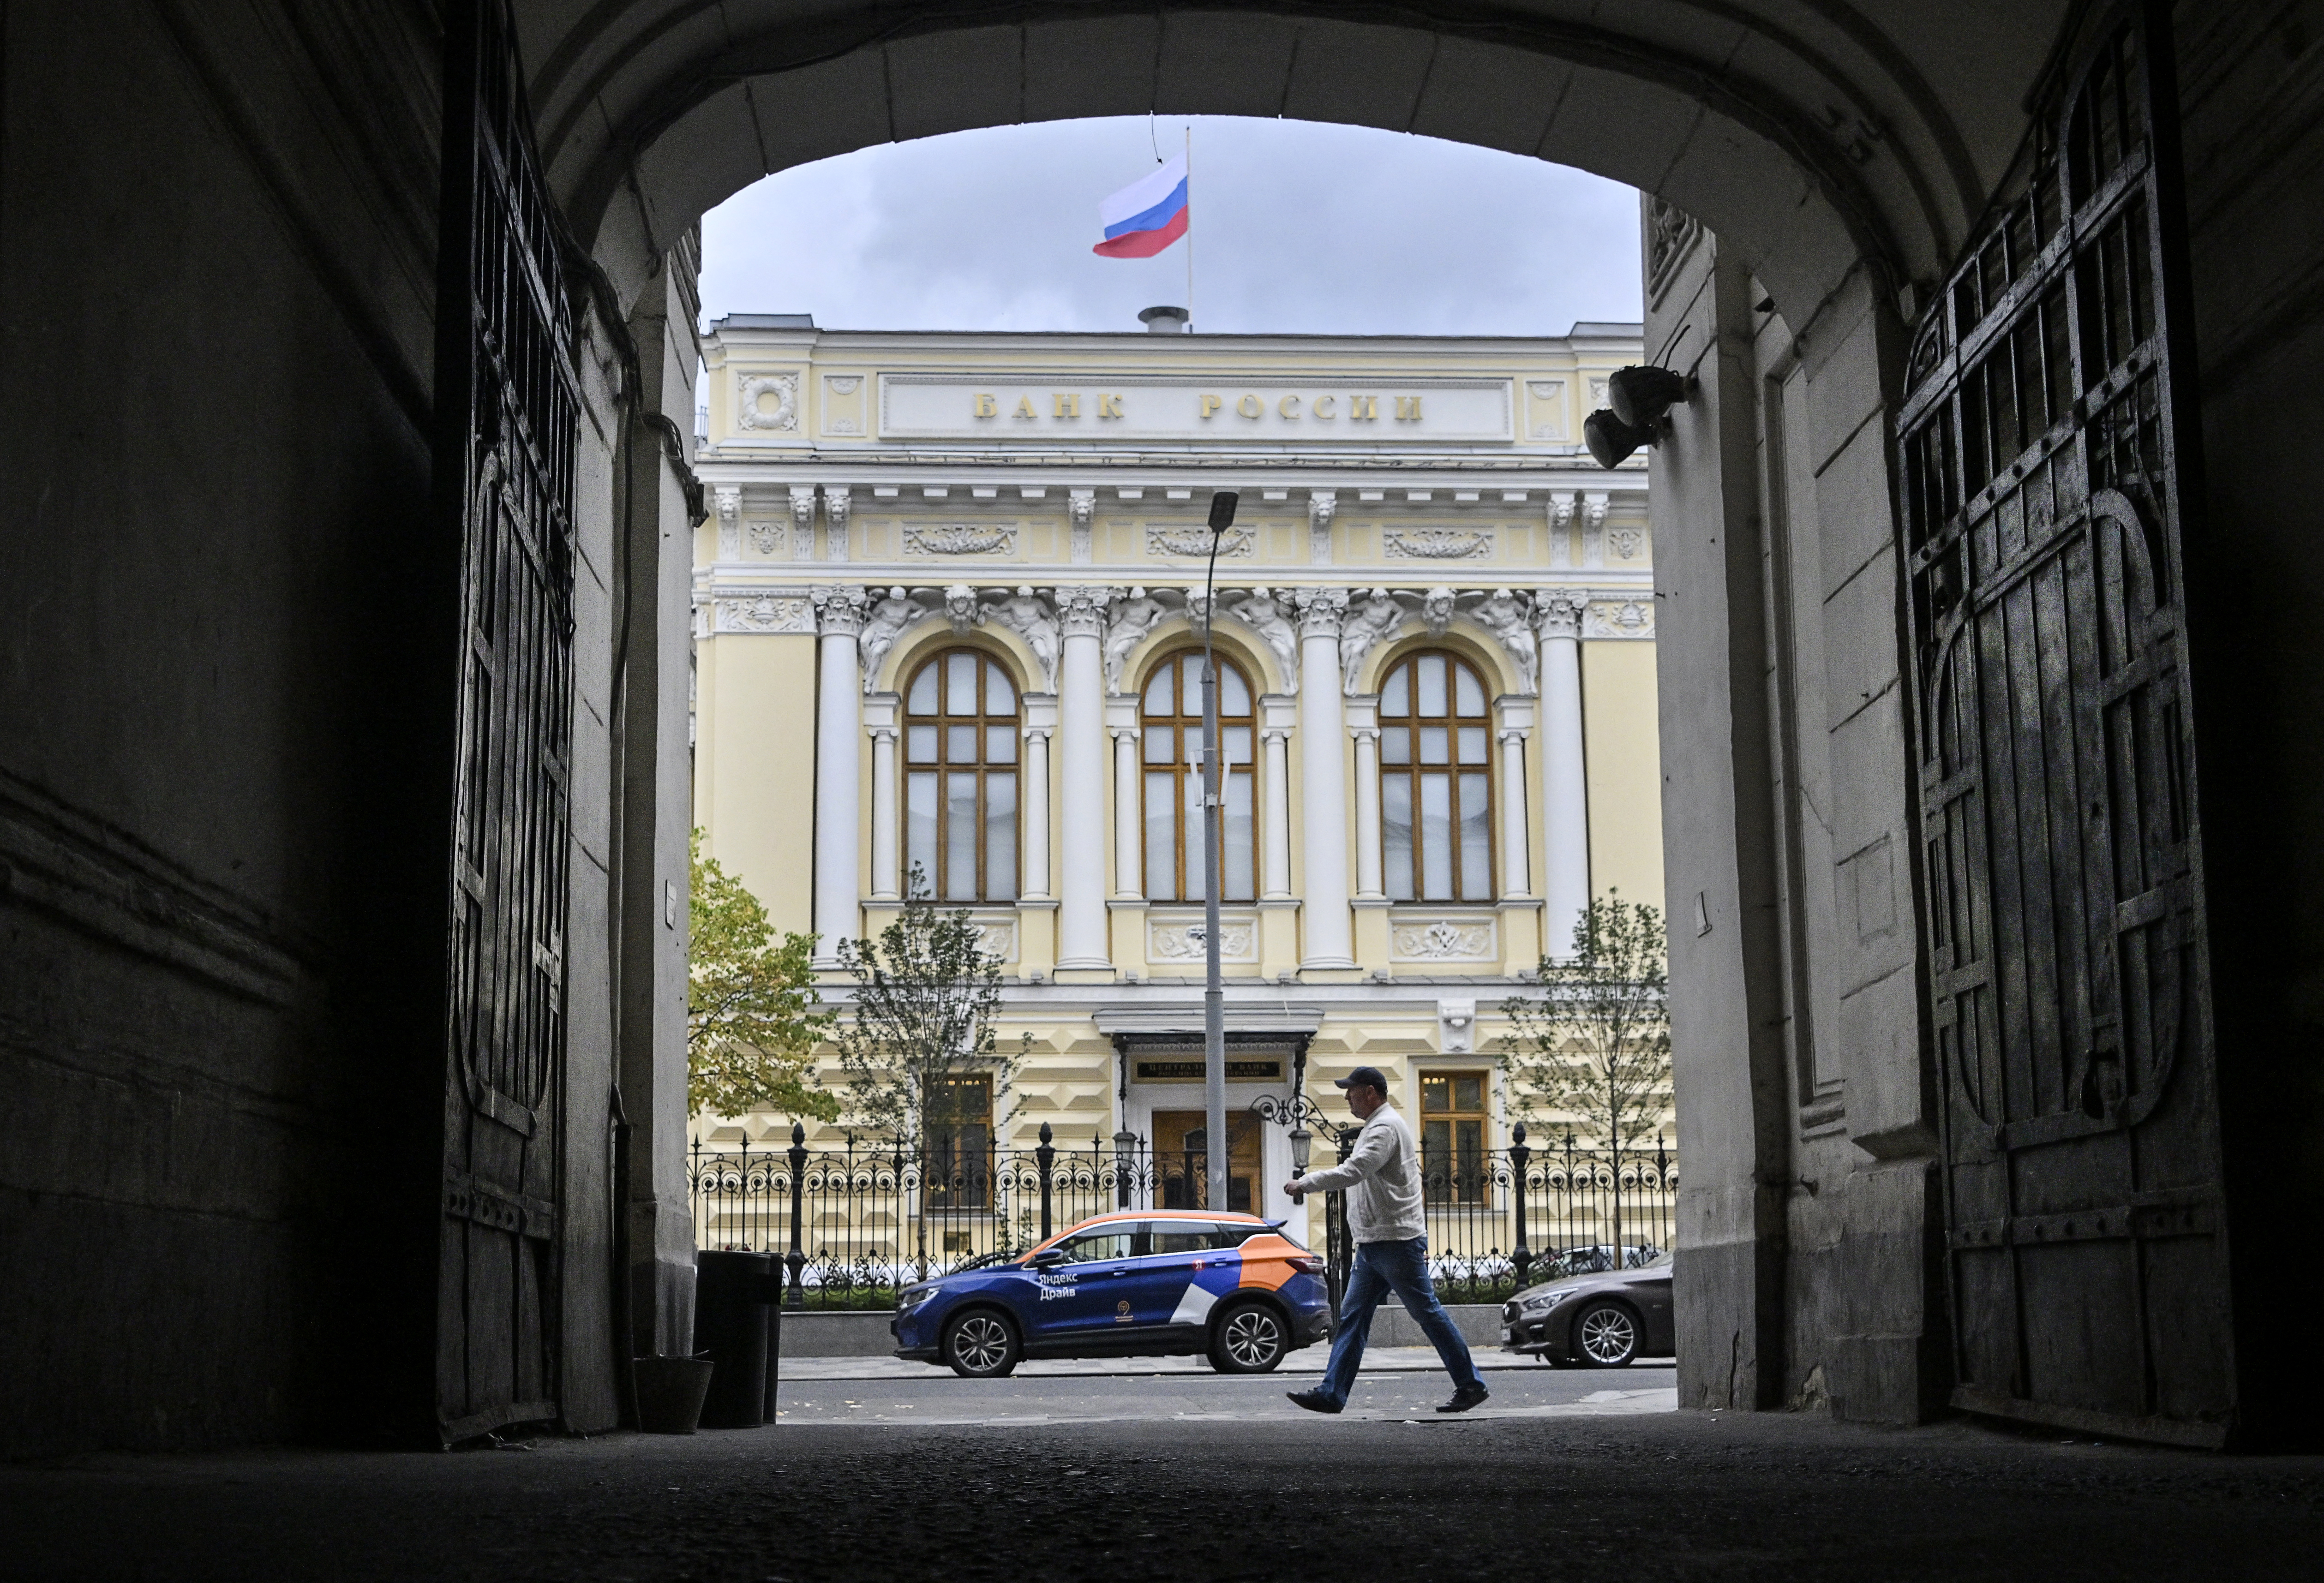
(1367,815)
(1034,800)
(1129,782)
(838,728)
(886,877)
(1277,833)
(1080,732)
(1517,853)
(1565,787)
(1326,936)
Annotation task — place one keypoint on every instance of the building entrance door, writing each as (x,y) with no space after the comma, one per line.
(1182,1161)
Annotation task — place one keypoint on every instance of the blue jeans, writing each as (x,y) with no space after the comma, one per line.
(1401,1267)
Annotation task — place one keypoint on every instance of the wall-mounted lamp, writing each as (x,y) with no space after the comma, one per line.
(1610,439)
(1638,397)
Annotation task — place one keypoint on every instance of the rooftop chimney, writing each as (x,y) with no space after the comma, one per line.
(1164,321)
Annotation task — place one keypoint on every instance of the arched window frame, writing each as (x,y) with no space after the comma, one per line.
(1414,782)
(1170,838)
(957,804)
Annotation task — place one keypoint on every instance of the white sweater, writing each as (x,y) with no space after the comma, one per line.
(1382,1177)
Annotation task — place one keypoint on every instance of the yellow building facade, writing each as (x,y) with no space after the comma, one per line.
(945,600)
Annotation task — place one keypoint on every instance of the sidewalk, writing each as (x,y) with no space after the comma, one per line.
(1307,1360)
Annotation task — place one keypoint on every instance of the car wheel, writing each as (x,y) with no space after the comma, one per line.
(1248,1338)
(1606,1334)
(981,1345)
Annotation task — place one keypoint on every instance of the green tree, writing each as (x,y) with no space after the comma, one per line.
(1594,1048)
(926,996)
(751,1021)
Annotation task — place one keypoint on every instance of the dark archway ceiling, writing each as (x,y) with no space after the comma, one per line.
(1807,132)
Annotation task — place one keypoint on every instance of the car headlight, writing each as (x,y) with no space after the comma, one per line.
(1535,1302)
(914,1300)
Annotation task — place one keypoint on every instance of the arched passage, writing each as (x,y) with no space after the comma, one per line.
(1808,138)
(225,799)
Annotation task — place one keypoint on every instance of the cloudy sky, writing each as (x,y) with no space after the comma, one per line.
(1298,227)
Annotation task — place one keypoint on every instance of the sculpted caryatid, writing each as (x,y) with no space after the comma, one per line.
(1506,617)
(1131,620)
(883,626)
(1262,615)
(1029,615)
(1367,624)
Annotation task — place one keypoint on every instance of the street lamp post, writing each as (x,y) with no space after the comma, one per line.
(1214,1020)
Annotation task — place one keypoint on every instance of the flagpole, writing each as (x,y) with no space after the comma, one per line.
(1190,227)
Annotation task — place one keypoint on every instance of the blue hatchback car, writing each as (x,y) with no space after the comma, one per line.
(1134,1284)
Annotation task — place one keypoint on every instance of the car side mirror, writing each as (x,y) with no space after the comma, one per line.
(1048,1256)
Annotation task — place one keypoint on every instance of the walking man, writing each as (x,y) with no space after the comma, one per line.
(1382,1178)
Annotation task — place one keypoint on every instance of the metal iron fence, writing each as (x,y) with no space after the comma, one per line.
(855,1224)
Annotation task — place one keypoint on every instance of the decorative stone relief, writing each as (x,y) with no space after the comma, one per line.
(960,609)
(1626,543)
(1167,940)
(1365,627)
(1321,610)
(1506,616)
(844,416)
(729,500)
(837,502)
(1129,621)
(1620,618)
(782,387)
(1671,235)
(765,612)
(1322,505)
(1549,392)
(1435,544)
(892,613)
(1081,505)
(1195,543)
(958,539)
(1557,612)
(1445,940)
(1081,610)
(996,933)
(838,610)
(1456,1026)
(1436,608)
(1263,614)
(766,538)
(1031,617)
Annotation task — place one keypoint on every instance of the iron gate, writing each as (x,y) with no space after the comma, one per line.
(2041,444)
(508,415)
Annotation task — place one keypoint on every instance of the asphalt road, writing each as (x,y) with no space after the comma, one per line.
(1398,1381)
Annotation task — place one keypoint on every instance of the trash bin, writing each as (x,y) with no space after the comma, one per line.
(733,1296)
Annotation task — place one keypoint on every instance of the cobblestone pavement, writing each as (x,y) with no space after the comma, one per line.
(1779,1497)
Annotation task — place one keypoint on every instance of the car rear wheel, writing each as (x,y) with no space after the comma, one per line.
(1248,1338)
(981,1345)
(1606,1334)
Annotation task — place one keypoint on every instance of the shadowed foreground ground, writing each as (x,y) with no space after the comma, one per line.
(1685,1495)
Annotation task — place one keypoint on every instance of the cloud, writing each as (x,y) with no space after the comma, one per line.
(1299,227)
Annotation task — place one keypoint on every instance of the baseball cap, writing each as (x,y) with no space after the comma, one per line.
(1369,1076)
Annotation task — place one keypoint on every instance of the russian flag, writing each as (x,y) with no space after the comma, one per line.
(1147,216)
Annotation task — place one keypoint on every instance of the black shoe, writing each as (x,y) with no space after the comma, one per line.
(1466,1397)
(1314,1401)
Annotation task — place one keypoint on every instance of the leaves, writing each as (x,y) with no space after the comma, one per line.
(926,996)
(1595,1048)
(752,1022)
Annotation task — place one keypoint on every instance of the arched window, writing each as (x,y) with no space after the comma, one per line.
(1172,722)
(1436,794)
(960,778)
